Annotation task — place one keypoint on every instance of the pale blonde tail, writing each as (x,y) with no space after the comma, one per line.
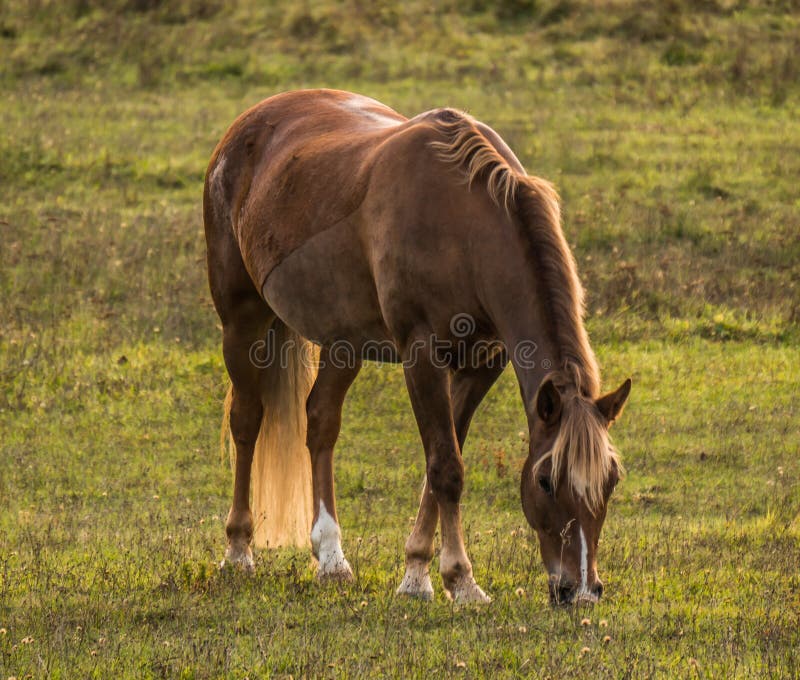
(281,473)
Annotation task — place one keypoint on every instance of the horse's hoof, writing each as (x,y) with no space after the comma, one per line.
(464,590)
(335,570)
(342,574)
(426,595)
(416,582)
(238,559)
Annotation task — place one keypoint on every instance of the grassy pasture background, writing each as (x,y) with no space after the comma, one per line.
(672,131)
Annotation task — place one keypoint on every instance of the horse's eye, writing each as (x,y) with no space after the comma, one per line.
(544,485)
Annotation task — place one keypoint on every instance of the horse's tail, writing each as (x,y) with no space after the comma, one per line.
(281,472)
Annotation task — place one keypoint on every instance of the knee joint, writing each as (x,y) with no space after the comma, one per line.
(446,477)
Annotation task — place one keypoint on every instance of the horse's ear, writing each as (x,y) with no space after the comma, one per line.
(611,404)
(548,403)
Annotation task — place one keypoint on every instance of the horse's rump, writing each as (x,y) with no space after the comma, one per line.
(295,165)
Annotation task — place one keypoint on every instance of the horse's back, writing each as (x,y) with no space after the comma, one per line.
(297,163)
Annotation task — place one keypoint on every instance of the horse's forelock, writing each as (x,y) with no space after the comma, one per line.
(582,452)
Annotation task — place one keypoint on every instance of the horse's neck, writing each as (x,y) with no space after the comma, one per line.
(520,317)
(533,356)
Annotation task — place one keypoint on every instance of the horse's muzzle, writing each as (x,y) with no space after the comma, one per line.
(567,594)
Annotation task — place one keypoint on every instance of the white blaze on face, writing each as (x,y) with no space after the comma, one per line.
(584,589)
(326,541)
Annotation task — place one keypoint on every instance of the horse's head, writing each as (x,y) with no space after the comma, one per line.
(567,480)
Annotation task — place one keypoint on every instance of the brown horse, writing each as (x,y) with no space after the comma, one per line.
(332,219)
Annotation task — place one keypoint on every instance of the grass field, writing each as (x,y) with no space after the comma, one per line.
(673,134)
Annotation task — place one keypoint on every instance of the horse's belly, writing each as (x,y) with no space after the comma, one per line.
(324,290)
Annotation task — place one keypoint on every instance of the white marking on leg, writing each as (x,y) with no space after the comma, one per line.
(238,556)
(327,546)
(464,589)
(417,581)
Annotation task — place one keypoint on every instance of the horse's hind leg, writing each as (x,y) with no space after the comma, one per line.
(245,319)
(467,389)
(246,323)
(324,409)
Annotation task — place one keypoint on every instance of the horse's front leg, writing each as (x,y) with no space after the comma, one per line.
(419,548)
(324,409)
(468,388)
(429,389)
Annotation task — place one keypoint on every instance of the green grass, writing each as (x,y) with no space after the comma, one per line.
(671,132)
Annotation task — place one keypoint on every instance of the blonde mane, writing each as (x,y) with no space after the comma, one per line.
(583,447)
(467,148)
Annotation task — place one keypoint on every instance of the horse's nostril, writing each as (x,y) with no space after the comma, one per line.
(565,594)
(597,591)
